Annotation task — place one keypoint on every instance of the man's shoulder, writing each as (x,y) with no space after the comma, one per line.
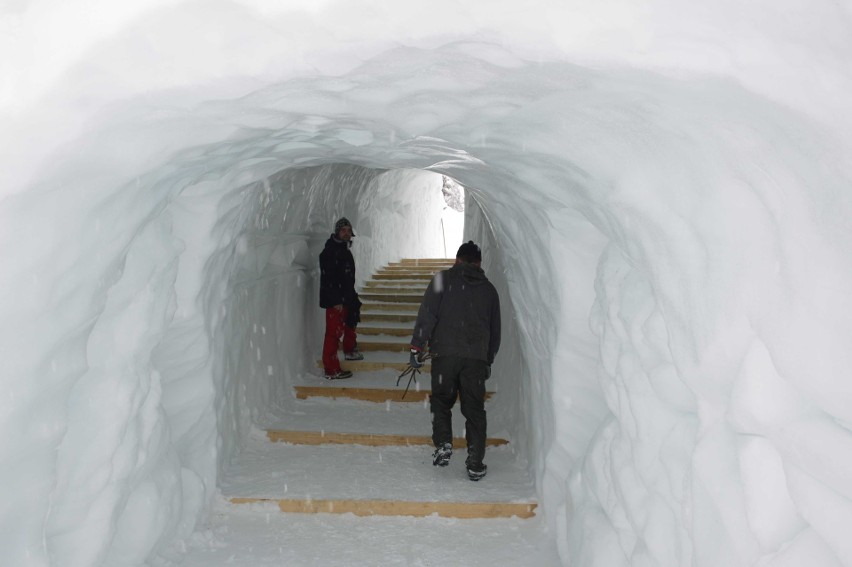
(442,277)
(491,288)
(332,247)
(329,255)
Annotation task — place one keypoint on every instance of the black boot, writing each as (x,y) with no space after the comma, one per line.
(475,471)
(441,456)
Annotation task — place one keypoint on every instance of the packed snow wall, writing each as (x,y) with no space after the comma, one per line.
(662,191)
(261,286)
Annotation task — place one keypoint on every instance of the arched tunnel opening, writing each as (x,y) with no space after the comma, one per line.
(665,244)
(268,330)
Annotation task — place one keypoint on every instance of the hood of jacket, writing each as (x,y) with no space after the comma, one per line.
(334,241)
(470,273)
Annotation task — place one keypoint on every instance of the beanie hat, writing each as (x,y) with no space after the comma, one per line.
(469,252)
(343,221)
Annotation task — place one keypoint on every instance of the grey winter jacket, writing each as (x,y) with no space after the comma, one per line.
(459,315)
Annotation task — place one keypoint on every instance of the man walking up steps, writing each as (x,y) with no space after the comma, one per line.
(459,320)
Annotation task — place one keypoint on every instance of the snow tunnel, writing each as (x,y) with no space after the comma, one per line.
(669,238)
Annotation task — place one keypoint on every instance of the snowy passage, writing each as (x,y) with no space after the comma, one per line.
(661,190)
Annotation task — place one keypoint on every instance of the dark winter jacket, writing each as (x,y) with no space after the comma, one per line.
(337,275)
(460,315)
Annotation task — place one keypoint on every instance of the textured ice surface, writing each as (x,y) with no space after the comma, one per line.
(661,190)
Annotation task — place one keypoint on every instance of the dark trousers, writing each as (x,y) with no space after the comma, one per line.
(464,378)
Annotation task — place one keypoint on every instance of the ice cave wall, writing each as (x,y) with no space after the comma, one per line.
(685,182)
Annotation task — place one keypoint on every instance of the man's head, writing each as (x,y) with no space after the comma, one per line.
(470,253)
(343,229)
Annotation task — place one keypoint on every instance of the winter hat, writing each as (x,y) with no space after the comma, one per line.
(341,223)
(469,252)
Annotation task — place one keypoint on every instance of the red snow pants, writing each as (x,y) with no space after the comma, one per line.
(335,327)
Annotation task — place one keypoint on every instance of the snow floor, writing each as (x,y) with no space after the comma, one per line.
(260,534)
(265,469)
(358,416)
(386,378)
(409,418)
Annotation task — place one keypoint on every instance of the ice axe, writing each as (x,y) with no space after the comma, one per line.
(412,371)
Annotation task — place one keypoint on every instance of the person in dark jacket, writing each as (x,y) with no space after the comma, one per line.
(459,320)
(339,299)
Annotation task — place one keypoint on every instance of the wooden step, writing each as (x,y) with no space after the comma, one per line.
(386,346)
(464,510)
(409,273)
(392,480)
(414,276)
(399,277)
(373,365)
(392,298)
(400,286)
(390,280)
(424,261)
(418,291)
(387,318)
(380,307)
(410,268)
(378,395)
(368,439)
(391,331)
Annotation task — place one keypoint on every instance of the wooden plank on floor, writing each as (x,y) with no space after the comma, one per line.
(366,394)
(389,331)
(393,297)
(396,285)
(368,439)
(434,268)
(407,273)
(410,308)
(402,276)
(418,291)
(450,261)
(371,366)
(386,346)
(465,510)
(388,317)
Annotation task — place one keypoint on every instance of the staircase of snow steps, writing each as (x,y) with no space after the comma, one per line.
(390,299)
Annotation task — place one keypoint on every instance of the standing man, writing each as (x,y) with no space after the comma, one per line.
(460,320)
(339,299)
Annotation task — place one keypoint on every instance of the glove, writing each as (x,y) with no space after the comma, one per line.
(413,360)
